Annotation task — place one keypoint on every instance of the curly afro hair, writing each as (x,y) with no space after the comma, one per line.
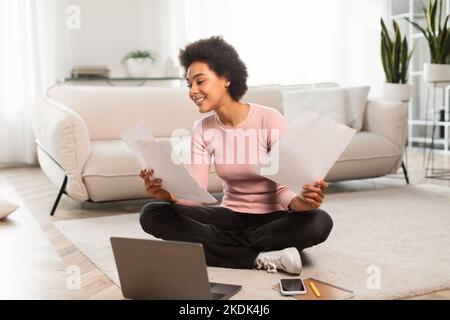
(221,58)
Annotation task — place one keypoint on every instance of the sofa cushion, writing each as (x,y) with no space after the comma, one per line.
(329,102)
(269,96)
(114,158)
(368,155)
(356,105)
(112,172)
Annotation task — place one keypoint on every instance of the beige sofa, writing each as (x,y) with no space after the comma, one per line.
(77,132)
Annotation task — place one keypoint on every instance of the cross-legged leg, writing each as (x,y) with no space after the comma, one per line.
(290,229)
(217,228)
(232,239)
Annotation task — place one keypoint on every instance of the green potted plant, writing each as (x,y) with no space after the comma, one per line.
(395,58)
(438,38)
(138,63)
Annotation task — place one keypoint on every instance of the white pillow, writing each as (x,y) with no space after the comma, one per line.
(356,105)
(6,207)
(329,102)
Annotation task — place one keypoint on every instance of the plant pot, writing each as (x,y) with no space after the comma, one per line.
(397,91)
(436,75)
(138,68)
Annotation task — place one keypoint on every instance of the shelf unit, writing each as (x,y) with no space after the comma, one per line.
(419,122)
(125,81)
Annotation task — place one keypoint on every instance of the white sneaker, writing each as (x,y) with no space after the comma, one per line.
(287,260)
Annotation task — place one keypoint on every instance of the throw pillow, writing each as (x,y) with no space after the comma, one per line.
(329,102)
(356,105)
(6,207)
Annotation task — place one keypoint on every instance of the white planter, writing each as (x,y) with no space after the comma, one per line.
(436,75)
(138,68)
(397,91)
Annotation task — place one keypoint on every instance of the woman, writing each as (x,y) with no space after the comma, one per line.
(259,222)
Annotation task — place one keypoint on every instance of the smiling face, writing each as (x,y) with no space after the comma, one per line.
(207,89)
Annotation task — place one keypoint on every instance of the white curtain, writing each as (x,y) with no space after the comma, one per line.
(299,41)
(30,58)
(18,82)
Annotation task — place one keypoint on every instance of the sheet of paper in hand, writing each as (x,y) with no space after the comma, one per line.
(306,152)
(152,155)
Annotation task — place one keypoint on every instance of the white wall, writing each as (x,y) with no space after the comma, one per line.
(111,28)
(301,41)
(291,42)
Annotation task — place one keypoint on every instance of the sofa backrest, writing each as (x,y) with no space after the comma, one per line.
(269,96)
(109,111)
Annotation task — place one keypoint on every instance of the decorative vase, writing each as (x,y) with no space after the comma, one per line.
(397,91)
(436,75)
(138,67)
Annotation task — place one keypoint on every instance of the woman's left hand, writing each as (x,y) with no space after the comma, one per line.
(311,197)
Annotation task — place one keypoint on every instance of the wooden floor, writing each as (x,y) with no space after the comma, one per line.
(30,268)
(37,192)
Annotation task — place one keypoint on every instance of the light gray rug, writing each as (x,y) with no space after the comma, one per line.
(385,244)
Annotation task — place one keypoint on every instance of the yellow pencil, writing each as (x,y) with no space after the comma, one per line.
(314,289)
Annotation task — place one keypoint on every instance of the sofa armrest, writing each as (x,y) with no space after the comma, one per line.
(388,118)
(64,138)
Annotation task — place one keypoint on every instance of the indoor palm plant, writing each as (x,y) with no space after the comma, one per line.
(437,35)
(138,63)
(395,57)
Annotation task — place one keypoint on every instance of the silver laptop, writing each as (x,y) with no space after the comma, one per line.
(155,269)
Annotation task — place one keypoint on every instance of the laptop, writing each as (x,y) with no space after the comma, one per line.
(165,270)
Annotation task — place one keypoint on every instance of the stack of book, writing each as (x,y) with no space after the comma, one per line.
(90,72)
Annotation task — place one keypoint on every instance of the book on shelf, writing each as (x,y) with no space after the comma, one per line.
(90,72)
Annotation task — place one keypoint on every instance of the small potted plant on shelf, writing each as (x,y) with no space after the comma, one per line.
(437,35)
(138,63)
(395,57)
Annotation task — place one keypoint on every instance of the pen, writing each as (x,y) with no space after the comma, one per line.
(314,289)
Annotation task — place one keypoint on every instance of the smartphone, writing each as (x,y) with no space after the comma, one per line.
(292,286)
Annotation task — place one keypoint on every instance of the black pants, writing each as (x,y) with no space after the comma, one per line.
(233,239)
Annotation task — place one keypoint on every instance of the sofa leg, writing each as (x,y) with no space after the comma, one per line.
(61,191)
(405,172)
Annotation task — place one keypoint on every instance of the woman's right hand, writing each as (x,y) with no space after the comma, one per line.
(153,186)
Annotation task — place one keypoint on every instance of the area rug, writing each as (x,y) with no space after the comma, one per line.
(386,244)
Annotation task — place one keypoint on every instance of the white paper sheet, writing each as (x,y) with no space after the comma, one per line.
(152,155)
(306,152)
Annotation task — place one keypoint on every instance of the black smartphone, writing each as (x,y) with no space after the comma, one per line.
(292,286)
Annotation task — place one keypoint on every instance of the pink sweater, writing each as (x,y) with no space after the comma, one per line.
(234,150)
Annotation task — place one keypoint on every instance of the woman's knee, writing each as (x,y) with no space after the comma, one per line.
(150,213)
(323,225)
(315,226)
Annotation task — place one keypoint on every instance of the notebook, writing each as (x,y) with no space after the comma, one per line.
(327,291)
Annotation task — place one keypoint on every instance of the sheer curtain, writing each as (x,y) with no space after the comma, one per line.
(300,41)
(31,57)
(18,81)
